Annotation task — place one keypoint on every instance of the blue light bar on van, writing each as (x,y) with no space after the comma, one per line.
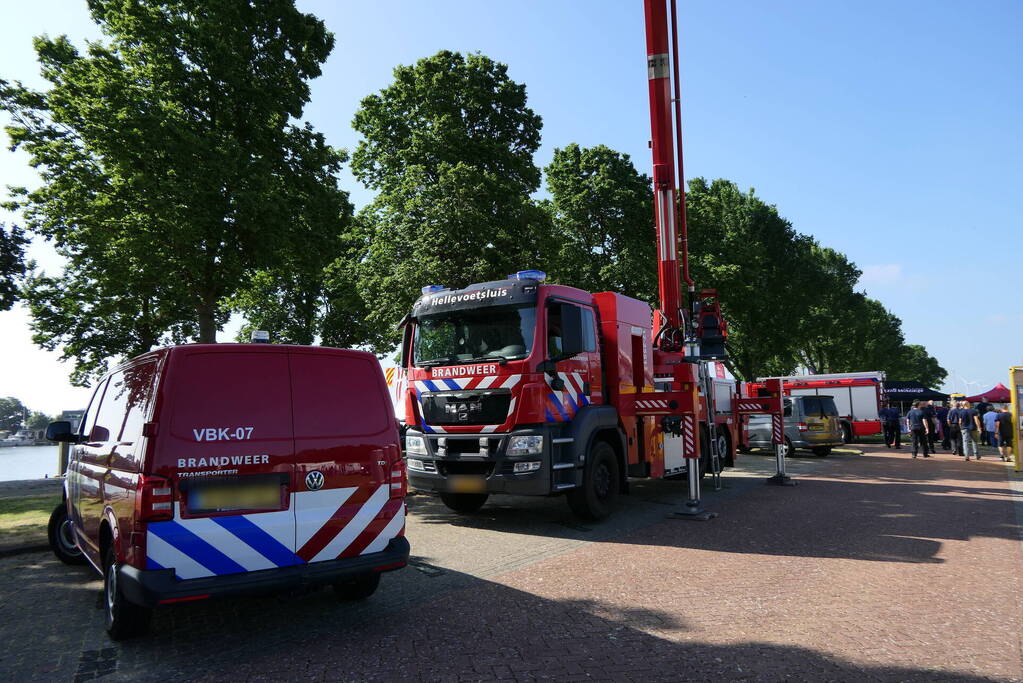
(537,275)
(430,289)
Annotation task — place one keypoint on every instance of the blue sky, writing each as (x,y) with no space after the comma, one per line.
(889,131)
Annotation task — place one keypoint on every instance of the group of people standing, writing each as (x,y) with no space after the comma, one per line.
(959,427)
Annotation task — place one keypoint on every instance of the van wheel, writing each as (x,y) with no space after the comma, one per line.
(61,537)
(822,451)
(596,497)
(124,619)
(359,588)
(790,450)
(847,435)
(464,502)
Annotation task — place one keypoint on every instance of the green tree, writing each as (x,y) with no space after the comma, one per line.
(742,247)
(449,148)
(12,414)
(601,209)
(914,363)
(37,420)
(173,167)
(12,264)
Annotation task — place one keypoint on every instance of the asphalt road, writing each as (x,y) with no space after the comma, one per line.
(873,568)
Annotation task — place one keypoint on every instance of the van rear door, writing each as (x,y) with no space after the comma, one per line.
(346,444)
(228,450)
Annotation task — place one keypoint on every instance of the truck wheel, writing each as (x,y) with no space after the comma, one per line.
(124,619)
(61,537)
(822,451)
(596,497)
(359,588)
(464,502)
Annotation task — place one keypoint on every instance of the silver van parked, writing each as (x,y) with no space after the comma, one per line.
(810,422)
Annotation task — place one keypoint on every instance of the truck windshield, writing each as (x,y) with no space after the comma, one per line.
(466,336)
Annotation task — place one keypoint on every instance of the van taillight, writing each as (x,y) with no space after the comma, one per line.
(399,480)
(802,426)
(154,500)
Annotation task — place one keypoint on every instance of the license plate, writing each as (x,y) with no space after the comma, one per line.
(235,495)
(467,484)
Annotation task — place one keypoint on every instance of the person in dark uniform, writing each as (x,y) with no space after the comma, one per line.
(953,429)
(932,427)
(1004,425)
(942,414)
(919,429)
(890,417)
(982,407)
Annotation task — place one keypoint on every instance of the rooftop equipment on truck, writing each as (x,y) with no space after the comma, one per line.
(519,386)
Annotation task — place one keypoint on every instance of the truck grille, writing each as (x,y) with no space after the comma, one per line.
(478,407)
(457,467)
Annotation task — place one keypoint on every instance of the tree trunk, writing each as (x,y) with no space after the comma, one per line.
(207,323)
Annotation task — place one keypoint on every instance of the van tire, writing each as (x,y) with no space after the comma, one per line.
(464,503)
(124,619)
(822,451)
(847,435)
(358,588)
(61,537)
(595,499)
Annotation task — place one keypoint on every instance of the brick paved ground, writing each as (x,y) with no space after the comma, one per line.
(875,567)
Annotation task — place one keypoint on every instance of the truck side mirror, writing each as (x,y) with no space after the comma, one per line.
(59,431)
(572,341)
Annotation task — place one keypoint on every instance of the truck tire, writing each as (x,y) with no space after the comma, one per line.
(61,537)
(464,502)
(358,588)
(596,497)
(123,619)
(822,451)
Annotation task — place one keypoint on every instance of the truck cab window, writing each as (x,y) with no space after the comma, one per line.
(554,340)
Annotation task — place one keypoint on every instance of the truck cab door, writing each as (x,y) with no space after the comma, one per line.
(571,346)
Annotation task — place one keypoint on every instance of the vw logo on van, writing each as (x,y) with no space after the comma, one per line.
(314,480)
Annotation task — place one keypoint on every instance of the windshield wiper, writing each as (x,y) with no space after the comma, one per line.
(434,362)
(501,359)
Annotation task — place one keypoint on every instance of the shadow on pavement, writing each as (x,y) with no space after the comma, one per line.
(446,626)
(887,511)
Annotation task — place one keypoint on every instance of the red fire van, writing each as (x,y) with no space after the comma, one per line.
(209,470)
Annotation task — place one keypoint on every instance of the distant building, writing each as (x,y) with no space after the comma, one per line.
(72,416)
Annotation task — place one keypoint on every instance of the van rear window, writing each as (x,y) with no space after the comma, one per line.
(338,396)
(222,397)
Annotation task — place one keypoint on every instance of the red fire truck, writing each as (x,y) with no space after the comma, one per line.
(524,387)
(857,396)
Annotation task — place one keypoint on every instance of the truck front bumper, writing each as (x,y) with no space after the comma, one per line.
(441,470)
(152,587)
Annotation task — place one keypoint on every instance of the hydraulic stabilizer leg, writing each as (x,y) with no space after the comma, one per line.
(693,508)
(780,453)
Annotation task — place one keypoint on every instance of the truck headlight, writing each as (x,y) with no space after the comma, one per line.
(525,445)
(416,465)
(415,444)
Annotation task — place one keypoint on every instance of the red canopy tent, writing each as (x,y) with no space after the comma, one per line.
(998,394)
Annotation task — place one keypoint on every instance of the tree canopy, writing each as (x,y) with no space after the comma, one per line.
(602,217)
(449,148)
(12,414)
(12,264)
(174,169)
